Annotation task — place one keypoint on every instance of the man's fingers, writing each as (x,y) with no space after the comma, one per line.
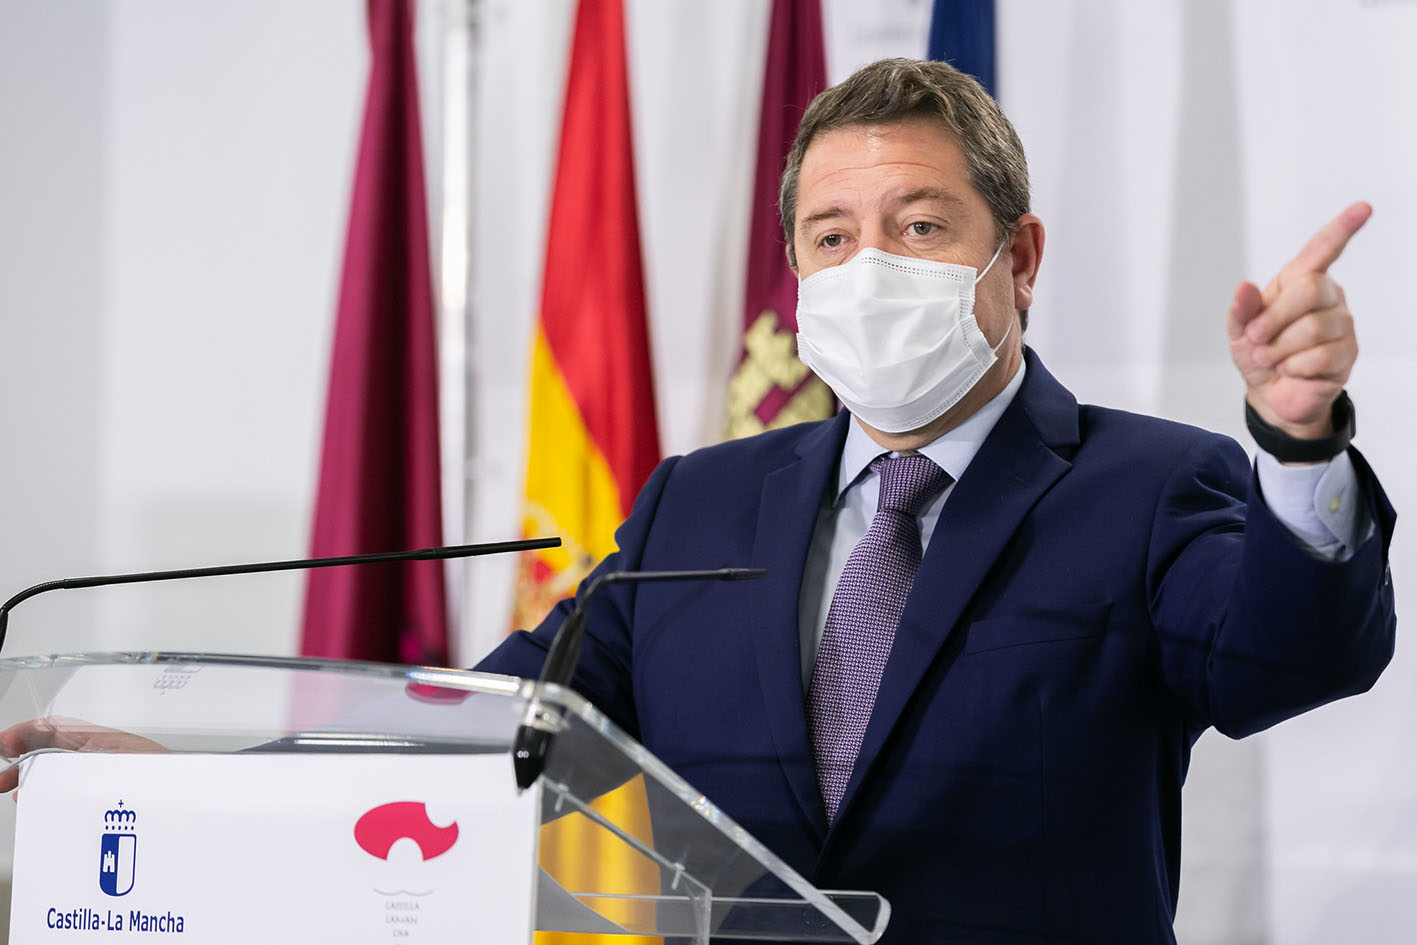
(1246,304)
(69,735)
(19,739)
(1308,292)
(1326,362)
(27,736)
(1315,328)
(1325,246)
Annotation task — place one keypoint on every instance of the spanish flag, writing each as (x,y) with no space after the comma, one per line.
(592,441)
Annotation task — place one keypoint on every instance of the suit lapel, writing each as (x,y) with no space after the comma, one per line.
(787,516)
(1016,465)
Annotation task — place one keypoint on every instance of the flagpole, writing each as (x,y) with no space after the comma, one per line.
(455,338)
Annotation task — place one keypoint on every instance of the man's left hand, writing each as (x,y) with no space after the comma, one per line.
(65,735)
(1294,342)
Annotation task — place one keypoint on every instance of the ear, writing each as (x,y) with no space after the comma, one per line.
(1026,255)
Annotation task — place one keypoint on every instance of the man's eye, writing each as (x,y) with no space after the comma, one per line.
(831,240)
(922,228)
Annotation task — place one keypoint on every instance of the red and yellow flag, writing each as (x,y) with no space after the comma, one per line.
(771,387)
(592,440)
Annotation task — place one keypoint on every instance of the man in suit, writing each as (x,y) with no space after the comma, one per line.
(994,621)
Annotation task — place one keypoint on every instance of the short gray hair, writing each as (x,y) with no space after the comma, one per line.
(894,90)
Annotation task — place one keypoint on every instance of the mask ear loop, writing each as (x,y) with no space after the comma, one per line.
(1007,332)
(992,259)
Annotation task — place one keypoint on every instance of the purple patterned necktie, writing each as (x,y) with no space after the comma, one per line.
(861,621)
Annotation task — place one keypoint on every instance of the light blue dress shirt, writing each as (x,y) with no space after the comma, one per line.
(1318,503)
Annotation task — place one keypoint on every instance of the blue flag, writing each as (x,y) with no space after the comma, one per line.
(962,34)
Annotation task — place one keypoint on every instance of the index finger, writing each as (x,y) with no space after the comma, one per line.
(1325,246)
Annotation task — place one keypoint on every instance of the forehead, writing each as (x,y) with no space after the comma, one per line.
(863,162)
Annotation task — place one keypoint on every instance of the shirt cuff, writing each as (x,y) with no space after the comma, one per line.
(1321,504)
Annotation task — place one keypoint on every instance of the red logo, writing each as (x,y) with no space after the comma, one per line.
(376,831)
(435,695)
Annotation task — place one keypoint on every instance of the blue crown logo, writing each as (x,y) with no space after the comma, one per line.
(120,819)
(118,847)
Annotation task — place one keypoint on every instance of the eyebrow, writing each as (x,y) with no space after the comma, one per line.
(830,213)
(930,193)
(914,196)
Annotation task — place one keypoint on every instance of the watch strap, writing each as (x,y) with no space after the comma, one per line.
(1291,449)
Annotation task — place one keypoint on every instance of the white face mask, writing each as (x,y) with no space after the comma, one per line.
(894,337)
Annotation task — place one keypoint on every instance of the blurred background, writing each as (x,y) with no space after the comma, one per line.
(174,195)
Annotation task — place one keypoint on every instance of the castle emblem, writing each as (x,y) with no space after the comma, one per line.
(118,851)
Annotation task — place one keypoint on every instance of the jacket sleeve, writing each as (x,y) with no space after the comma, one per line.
(1254,628)
(604,673)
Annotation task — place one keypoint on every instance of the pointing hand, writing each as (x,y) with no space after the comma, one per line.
(1294,342)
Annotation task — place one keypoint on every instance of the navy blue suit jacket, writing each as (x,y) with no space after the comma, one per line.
(1100,589)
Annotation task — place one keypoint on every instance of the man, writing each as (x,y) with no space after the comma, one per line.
(994,621)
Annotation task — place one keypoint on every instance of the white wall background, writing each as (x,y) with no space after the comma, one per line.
(173,186)
(174,179)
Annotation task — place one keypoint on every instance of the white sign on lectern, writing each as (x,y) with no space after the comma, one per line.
(273,847)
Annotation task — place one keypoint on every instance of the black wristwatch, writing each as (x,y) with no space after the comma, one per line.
(1290,449)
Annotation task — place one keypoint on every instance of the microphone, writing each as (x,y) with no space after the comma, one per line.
(303,564)
(541,722)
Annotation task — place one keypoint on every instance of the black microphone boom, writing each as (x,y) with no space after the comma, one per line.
(540,723)
(303,564)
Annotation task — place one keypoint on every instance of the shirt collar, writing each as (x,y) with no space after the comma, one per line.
(952,451)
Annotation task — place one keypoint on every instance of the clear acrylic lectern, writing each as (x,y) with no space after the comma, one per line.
(707,877)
